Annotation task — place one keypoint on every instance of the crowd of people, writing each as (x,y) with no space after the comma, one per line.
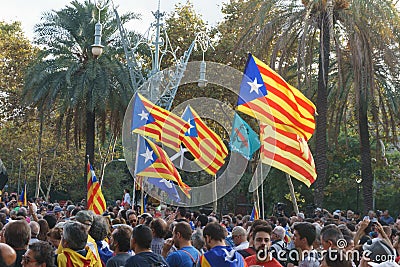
(50,234)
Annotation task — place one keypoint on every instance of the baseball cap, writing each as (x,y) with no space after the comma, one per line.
(57,209)
(83,216)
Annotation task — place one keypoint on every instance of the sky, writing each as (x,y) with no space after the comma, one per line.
(29,12)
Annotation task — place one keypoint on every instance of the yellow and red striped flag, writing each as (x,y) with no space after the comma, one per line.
(287,152)
(158,123)
(153,161)
(255,214)
(269,98)
(205,145)
(95,198)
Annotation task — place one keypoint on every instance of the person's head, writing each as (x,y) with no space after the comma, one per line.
(304,235)
(85,217)
(7,255)
(44,229)
(54,236)
(158,227)
(132,218)
(335,258)
(141,237)
(330,236)
(181,234)
(278,233)
(17,234)
(239,235)
(99,229)
(126,190)
(378,251)
(35,229)
(262,237)
(120,238)
(201,220)
(74,235)
(198,239)
(39,254)
(212,233)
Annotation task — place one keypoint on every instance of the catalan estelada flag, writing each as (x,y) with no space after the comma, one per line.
(287,152)
(267,97)
(153,161)
(155,122)
(255,215)
(22,200)
(203,143)
(95,198)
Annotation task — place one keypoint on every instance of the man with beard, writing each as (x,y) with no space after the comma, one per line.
(187,255)
(262,244)
(120,244)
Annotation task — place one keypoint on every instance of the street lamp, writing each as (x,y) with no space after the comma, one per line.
(358,181)
(97,48)
(20,167)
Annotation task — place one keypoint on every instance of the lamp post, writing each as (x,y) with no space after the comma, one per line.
(358,181)
(97,48)
(20,167)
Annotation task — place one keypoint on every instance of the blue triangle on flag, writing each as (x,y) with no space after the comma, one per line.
(145,155)
(252,86)
(140,116)
(188,116)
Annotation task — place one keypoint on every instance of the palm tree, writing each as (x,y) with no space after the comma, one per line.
(67,79)
(321,31)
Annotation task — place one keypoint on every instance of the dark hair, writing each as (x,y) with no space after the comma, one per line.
(99,229)
(51,220)
(122,236)
(184,229)
(182,211)
(159,226)
(331,233)
(43,253)
(44,229)
(203,219)
(17,234)
(262,228)
(336,258)
(306,230)
(214,231)
(283,221)
(142,235)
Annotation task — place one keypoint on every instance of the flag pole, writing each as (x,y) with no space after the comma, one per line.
(262,191)
(215,204)
(293,196)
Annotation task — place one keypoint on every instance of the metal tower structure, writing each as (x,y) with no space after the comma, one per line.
(156,38)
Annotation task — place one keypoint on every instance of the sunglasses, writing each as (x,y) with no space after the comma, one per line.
(27,260)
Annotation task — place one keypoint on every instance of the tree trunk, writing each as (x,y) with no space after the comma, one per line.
(39,157)
(365,151)
(321,161)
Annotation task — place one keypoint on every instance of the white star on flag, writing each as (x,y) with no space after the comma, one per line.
(144,115)
(190,126)
(254,86)
(148,155)
(166,182)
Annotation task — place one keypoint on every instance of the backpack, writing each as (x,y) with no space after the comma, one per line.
(191,257)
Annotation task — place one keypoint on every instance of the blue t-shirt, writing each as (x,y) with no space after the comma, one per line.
(181,258)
